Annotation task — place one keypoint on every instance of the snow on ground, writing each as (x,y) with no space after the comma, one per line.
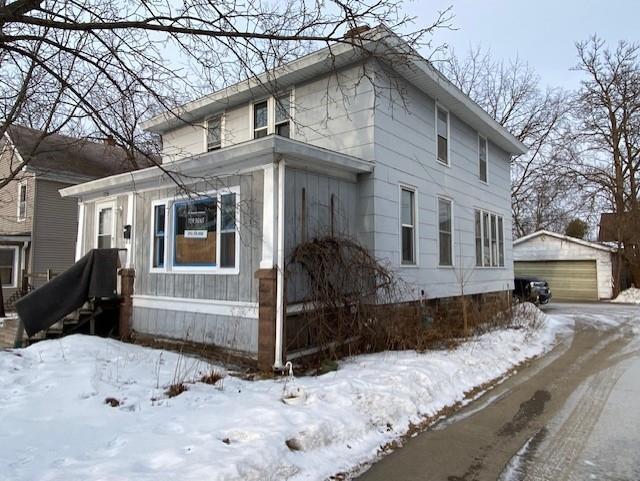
(629,296)
(56,425)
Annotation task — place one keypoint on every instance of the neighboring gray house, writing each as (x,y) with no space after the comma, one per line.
(37,226)
(398,158)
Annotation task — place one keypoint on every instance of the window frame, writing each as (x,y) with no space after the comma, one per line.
(221,117)
(437,108)
(486,162)
(276,124)
(15,267)
(22,216)
(499,241)
(416,256)
(108,204)
(154,204)
(170,224)
(271,114)
(452,242)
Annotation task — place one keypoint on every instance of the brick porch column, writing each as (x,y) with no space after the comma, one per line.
(127,276)
(267,282)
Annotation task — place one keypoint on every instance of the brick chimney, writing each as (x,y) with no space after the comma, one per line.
(356,31)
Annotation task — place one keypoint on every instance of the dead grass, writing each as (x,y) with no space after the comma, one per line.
(175,389)
(214,377)
(113,402)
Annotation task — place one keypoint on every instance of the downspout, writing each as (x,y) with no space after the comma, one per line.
(280,270)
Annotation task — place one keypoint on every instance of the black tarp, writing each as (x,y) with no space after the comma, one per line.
(93,276)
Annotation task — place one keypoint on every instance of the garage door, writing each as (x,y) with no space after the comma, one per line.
(568,280)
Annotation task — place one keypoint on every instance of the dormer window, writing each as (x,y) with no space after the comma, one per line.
(260,119)
(214,133)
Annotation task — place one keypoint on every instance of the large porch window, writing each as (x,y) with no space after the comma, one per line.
(8,266)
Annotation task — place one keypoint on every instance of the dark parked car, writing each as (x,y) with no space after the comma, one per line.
(532,289)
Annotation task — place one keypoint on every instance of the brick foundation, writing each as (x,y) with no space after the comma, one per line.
(267,302)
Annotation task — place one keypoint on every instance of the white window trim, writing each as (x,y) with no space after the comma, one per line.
(22,218)
(271,113)
(453,254)
(104,205)
(486,153)
(441,107)
(416,237)
(497,216)
(169,254)
(206,131)
(14,281)
(154,204)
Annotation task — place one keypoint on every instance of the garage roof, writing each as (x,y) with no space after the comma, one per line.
(575,240)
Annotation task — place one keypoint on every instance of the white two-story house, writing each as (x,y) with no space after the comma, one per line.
(391,154)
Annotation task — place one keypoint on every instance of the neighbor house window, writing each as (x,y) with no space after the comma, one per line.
(22,201)
(442,127)
(159,235)
(489,230)
(105,227)
(260,119)
(282,116)
(408,225)
(214,133)
(8,261)
(445,232)
(482,158)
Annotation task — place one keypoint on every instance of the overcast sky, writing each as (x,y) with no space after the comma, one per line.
(542,32)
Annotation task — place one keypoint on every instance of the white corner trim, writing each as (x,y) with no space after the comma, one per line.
(80,233)
(268,259)
(200,306)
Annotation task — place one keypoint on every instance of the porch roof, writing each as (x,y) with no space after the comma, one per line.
(230,160)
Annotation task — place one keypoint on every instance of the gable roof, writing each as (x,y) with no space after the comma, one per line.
(380,42)
(575,240)
(59,155)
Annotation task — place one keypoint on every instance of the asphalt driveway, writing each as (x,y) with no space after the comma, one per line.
(571,415)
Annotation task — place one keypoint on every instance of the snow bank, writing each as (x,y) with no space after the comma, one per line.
(629,296)
(56,425)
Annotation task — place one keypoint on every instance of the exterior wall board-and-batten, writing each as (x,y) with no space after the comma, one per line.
(586,267)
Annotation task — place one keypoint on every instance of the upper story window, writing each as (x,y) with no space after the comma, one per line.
(408,225)
(214,133)
(489,239)
(482,158)
(272,116)
(445,232)
(442,132)
(22,201)
(283,117)
(260,119)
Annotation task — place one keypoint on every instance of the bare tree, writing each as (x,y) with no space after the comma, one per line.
(604,148)
(512,94)
(94,68)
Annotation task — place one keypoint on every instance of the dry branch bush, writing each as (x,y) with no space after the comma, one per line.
(356,304)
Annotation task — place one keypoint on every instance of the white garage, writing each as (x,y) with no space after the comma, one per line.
(575,269)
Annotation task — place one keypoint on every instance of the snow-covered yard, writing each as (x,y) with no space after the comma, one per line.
(57,426)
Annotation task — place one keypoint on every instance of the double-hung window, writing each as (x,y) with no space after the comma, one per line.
(196,234)
(408,225)
(214,133)
(8,266)
(283,116)
(445,232)
(442,134)
(489,232)
(22,201)
(260,119)
(106,227)
(482,158)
